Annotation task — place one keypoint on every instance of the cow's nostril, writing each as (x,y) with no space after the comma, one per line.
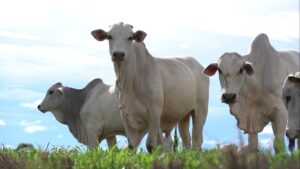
(119,54)
(228,97)
(39,107)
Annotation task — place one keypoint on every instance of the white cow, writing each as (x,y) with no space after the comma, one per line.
(252,85)
(91,113)
(155,93)
(291,100)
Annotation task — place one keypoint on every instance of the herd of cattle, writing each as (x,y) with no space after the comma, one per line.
(151,95)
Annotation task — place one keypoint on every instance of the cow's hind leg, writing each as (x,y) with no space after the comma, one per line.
(183,127)
(198,117)
(111,141)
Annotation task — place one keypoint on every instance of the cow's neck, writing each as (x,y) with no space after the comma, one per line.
(250,118)
(128,71)
(71,109)
(133,77)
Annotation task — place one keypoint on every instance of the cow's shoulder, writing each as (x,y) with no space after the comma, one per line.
(93,83)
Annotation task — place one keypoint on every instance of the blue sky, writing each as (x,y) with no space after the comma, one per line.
(43,42)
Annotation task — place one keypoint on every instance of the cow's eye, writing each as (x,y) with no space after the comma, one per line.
(50,92)
(220,71)
(287,99)
(241,70)
(130,38)
(109,37)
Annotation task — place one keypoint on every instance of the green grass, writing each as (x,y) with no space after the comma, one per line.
(67,158)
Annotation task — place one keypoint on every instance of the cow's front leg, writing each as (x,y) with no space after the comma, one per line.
(92,137)
(154,130)
(253,142)
(132,134)
(278,142)
(279,126)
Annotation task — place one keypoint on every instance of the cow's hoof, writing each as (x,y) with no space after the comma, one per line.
(149,148)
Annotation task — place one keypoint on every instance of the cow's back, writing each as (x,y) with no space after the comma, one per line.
(290,59)
(181,79)
(262,91)
(271,67)
(102,107)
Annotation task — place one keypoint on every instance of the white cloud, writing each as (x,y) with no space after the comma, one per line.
(280,18)
(210,142)
(19,93)
(32,105)
(35,128)
(32,127)
(60,136)
(185,46)
(74,51)
(18,35)
(2,122)
(267,130)
(27,123)
(29,64)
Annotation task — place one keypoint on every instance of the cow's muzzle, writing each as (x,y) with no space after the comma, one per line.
(41,109)
(228,98)
(118,56)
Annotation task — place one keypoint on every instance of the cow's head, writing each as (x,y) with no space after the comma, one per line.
(120,37)
(53,101)
(232,70)
(291,100)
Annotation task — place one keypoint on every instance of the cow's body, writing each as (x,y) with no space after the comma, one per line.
(252,85)
(155,93)
(91,113)
(291,100)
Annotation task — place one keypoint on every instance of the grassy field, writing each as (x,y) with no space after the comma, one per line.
(67,158)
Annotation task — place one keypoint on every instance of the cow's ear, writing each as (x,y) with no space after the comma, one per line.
(210,70)
(139,36)
(294,79)
(249,68)
(61,90)
(99,34)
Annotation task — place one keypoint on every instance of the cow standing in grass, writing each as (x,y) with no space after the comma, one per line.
(252,86)
(91,113)
(291,100)
(155,93)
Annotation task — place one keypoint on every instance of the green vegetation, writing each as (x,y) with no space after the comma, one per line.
(67,158)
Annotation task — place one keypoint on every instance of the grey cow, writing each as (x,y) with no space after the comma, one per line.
(85,116)
(291,100)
